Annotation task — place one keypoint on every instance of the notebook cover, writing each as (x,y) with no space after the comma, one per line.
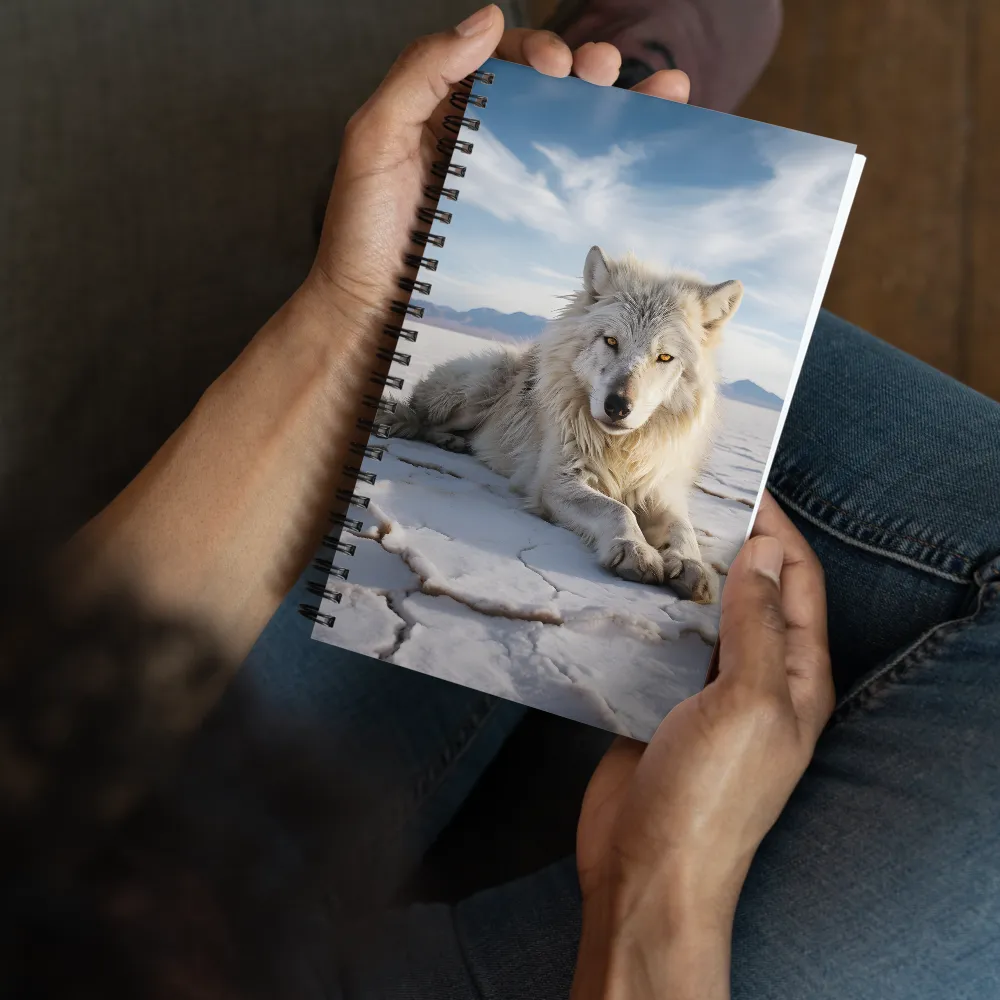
(471,565)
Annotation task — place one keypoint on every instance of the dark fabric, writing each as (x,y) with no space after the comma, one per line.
(161,163)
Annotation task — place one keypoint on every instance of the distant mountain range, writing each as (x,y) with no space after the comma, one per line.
(518,326)
(745,391)
(484,322)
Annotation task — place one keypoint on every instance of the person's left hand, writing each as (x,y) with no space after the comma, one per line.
(389,147)
(667,831)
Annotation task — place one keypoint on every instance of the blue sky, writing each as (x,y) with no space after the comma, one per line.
(560,165)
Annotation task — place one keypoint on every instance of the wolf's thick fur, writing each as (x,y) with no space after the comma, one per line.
(605,421)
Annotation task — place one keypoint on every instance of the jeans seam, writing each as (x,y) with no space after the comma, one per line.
(463,953)
(893,669)
(842,536)
(431,779)
(872,524)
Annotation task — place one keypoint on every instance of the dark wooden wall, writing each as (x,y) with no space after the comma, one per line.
(916,84)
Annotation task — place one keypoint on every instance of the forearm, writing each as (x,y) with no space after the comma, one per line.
(666,953)
(218,525)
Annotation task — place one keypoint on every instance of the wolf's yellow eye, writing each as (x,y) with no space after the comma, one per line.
(665,357)
(611,341)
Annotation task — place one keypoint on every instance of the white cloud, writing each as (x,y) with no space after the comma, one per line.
(771,234)
(762,357)
(503,186)
(776,299)
(569,280)
(777,225)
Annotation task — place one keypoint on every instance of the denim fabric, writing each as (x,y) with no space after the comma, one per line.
(424,741)
(881,879)
(892,471)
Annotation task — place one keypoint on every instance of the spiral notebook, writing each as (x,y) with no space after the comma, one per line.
(585,376)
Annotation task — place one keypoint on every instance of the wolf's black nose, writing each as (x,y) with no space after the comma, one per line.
(617,407)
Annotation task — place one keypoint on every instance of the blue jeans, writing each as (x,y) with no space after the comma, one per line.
(882,878)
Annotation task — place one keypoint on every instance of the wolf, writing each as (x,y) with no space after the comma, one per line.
(605,421)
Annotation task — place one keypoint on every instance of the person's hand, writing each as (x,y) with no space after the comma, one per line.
(389,147)
(668,831)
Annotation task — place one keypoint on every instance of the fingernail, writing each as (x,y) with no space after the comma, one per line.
(766,557)
(476,24)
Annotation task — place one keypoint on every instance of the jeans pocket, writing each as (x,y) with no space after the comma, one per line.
(926,648)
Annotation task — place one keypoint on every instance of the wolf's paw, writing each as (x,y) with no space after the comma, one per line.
(448,441)
(633,560)
(696,582)
(672,562)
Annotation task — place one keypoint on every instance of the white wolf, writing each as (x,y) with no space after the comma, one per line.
(604,422)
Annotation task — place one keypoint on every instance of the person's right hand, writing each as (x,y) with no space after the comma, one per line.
(668,830)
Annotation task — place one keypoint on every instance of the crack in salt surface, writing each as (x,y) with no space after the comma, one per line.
(426,465)
(494,609)
(424,573)
(643,623)
(383,652)
(404,628)
(423,570)
(504,493)
(596,613)
(590,613)
(723,496)
(575,682)
(541,576)
(559,590)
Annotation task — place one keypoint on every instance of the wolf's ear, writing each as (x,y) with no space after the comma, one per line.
(719,302)
(596,274)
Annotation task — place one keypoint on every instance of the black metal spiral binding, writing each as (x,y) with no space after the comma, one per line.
(400,332)
(450,146)
(426,239)
(393,357)
(382,405)
(365,451)
(392,381)
(434,215)
(455,123)
(415,260)
(412,285)
(440,169)
(461,100)
(436,191)
(407,309)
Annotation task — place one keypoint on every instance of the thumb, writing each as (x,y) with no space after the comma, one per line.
(752,630)
(422,77)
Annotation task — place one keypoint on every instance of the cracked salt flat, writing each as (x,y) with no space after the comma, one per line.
(454,579)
